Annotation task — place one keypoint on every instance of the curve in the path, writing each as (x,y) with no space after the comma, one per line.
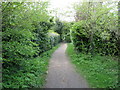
(61,73)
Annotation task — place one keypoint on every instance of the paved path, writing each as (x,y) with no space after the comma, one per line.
(61,73)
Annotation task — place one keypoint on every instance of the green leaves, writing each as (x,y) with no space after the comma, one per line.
(25,36)
(31,74)
(96,28)
(99,71)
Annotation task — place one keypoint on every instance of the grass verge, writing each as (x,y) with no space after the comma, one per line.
(99,71)
(32,73)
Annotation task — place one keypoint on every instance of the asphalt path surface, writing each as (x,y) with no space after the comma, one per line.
(61,73)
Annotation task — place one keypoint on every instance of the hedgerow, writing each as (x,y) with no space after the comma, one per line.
(96,29)
(25,28)
(32,73)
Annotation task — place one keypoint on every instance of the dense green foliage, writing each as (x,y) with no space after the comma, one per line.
(96,29)
(32,74)
(66,32)
(58,27)
(96,33)
(63,29)
(29,35)
(99,71)
(54,38)
(25,27)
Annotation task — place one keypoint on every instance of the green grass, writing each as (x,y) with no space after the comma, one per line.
(99,71)
(31,75)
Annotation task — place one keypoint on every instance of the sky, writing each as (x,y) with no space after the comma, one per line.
(63,8)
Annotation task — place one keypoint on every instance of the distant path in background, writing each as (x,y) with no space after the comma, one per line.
(61,73)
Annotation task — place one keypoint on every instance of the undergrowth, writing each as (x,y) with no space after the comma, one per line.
(99,71)
(32,73)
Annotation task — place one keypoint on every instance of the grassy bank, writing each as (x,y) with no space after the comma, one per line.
(99,71)
(32,73)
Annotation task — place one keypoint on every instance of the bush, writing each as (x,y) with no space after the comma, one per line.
(80,36)
(31,74)
(25,37)
(103,43)
(54,38)
(96,30)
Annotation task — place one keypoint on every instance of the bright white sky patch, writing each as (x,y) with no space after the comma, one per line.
(63,8)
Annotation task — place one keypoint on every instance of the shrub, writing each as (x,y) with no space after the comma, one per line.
(25,37)
(54,38)
(103,43)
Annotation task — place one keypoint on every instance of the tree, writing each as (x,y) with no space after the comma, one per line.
(98,19)
(58,27)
